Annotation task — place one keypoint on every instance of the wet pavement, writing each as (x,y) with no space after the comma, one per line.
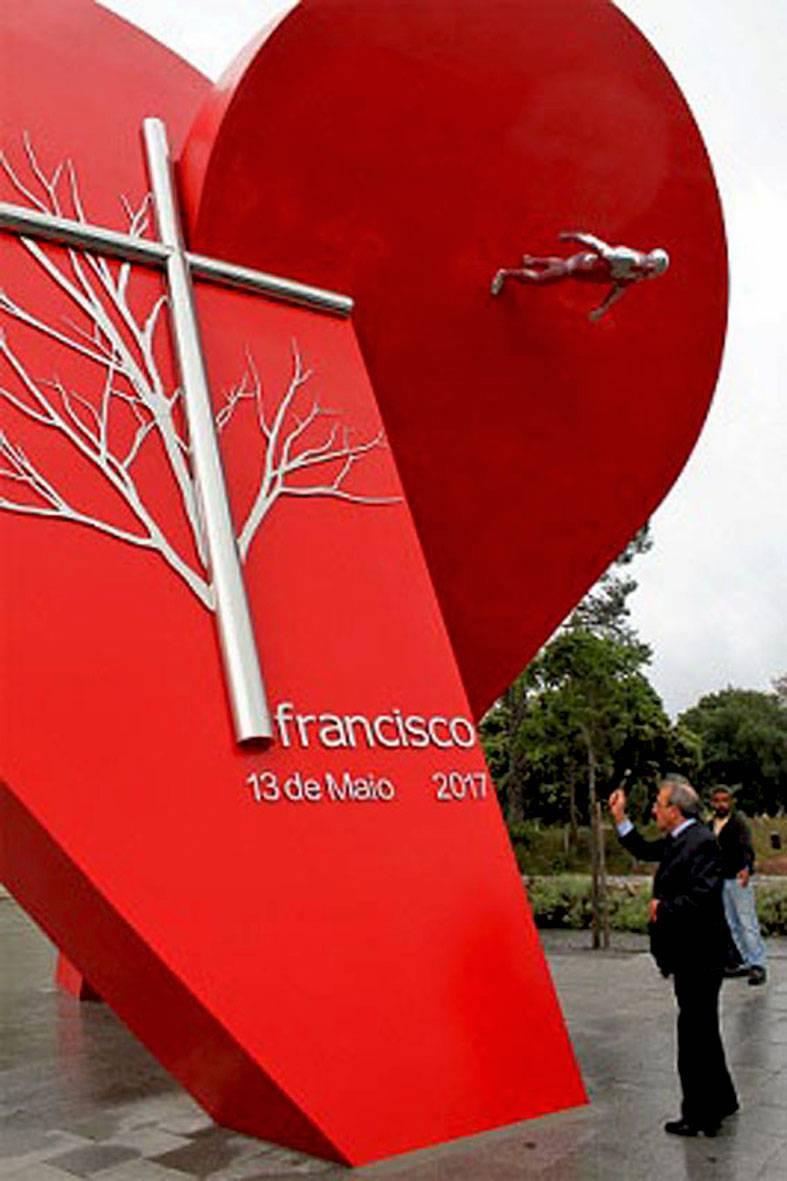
(79,1097)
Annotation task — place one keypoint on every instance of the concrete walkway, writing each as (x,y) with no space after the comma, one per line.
(79,1097)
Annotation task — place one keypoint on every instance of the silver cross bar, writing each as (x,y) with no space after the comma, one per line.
(251,716)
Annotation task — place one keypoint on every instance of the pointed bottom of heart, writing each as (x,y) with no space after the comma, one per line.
(69,979)
(198,1050)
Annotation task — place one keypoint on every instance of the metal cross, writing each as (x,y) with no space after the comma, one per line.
(250,713)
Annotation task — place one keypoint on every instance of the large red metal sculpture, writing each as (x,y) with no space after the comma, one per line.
(325,938)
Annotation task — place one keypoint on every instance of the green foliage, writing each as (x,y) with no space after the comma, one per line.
(743,737)
(685,752)
(584,712)
(560,902)
(542,849)
(548,849)
(768,859)
(604,609)
(583,702)
(772,908)
(628,911)
(581,714)
(565,902)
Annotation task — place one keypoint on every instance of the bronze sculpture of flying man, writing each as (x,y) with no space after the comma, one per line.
(619,266)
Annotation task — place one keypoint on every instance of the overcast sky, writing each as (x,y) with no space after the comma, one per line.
(712,592)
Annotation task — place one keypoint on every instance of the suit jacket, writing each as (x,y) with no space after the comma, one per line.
(689,932)
(736,847)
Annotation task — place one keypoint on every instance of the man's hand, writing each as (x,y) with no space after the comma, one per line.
(743,877)
(617,805)
(653,910)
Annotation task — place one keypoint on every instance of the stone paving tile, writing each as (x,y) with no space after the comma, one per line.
(84,1162)
(276,1162)
(37,1172)
(54,1143)
(139,1170)
(186,1124)
(762,1116)
(774,1169)
(210,1150)
(143,1109)
(77,1078)
(334,1174)
(149,1140)
(97,1125)
(19,1141)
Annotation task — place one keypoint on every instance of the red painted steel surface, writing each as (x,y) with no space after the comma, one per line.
(354,978)
(403,152)
(70,980)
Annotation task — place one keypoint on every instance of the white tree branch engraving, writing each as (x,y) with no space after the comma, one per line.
(306,450)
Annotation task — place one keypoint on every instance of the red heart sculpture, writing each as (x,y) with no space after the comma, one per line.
(403,153)
(324,941)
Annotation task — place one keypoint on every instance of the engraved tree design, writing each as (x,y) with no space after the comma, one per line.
(306,450)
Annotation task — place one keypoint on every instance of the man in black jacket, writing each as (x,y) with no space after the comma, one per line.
(737,866)
(688,936)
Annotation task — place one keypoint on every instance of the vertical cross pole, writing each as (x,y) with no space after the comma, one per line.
(249,706)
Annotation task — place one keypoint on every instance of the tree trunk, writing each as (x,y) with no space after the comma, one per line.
(603,888)
(594,878)
(573,814)
(515,804)
(598,881)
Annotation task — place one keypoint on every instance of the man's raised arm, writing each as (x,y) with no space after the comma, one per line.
(629,837)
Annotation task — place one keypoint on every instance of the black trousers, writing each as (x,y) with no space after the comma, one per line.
(708,1091)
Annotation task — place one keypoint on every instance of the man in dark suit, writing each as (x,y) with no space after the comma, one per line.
(688,936)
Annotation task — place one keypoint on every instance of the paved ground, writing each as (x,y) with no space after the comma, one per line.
(80,1098)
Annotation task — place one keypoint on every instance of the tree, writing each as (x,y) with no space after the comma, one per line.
(743,735)
(580,715)
(532,735)
(612,721)
(126,410)
(604,609)
(685,752)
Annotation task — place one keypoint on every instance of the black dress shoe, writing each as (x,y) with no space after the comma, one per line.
(682,1127)
(757,976)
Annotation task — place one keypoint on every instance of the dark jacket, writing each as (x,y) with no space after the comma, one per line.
(736,847)
(689,932)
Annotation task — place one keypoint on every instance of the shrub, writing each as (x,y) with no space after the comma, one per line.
(563,901)
(772,908)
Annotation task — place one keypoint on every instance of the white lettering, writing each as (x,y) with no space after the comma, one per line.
(297,789)
(302,722)
(400,730)
(392,731)
(332,732)
(469,729)
(377,726)
(416,728)
(350,721)
(270,787)
(433,724)
(338,789)
(282,709)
